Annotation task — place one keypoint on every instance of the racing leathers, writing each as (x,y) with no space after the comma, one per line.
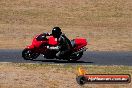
(63,48)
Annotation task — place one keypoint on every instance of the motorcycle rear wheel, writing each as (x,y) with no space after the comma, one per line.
(75,58)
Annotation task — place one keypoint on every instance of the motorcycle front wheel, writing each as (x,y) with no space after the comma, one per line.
(27,54)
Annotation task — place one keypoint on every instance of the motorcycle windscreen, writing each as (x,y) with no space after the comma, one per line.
(53,41)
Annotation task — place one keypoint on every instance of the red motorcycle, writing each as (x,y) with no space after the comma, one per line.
(40,43)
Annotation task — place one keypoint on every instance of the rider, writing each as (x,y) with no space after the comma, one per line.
(64,46)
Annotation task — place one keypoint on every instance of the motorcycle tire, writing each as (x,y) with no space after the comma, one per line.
(27,54)
(74,59)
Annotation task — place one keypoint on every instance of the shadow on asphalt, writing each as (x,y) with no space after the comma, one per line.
(59,61)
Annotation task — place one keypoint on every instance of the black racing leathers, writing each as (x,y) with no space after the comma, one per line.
(64,46)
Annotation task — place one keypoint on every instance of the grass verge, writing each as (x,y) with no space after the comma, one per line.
(20,75)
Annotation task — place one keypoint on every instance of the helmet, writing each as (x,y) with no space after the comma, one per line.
(56,32)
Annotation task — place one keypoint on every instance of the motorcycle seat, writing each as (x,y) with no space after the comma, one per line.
(73,43)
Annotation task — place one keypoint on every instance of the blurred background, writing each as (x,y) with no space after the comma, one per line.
(106,24)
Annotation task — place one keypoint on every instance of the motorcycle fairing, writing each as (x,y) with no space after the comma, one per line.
(52,41)
(80,43)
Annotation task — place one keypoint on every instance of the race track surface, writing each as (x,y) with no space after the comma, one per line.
(89,58)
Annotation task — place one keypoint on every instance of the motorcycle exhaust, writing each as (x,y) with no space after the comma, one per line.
(81,50)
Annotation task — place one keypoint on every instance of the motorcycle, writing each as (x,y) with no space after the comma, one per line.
(40,43)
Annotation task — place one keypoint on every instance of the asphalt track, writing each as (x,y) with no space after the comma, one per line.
(89,58)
